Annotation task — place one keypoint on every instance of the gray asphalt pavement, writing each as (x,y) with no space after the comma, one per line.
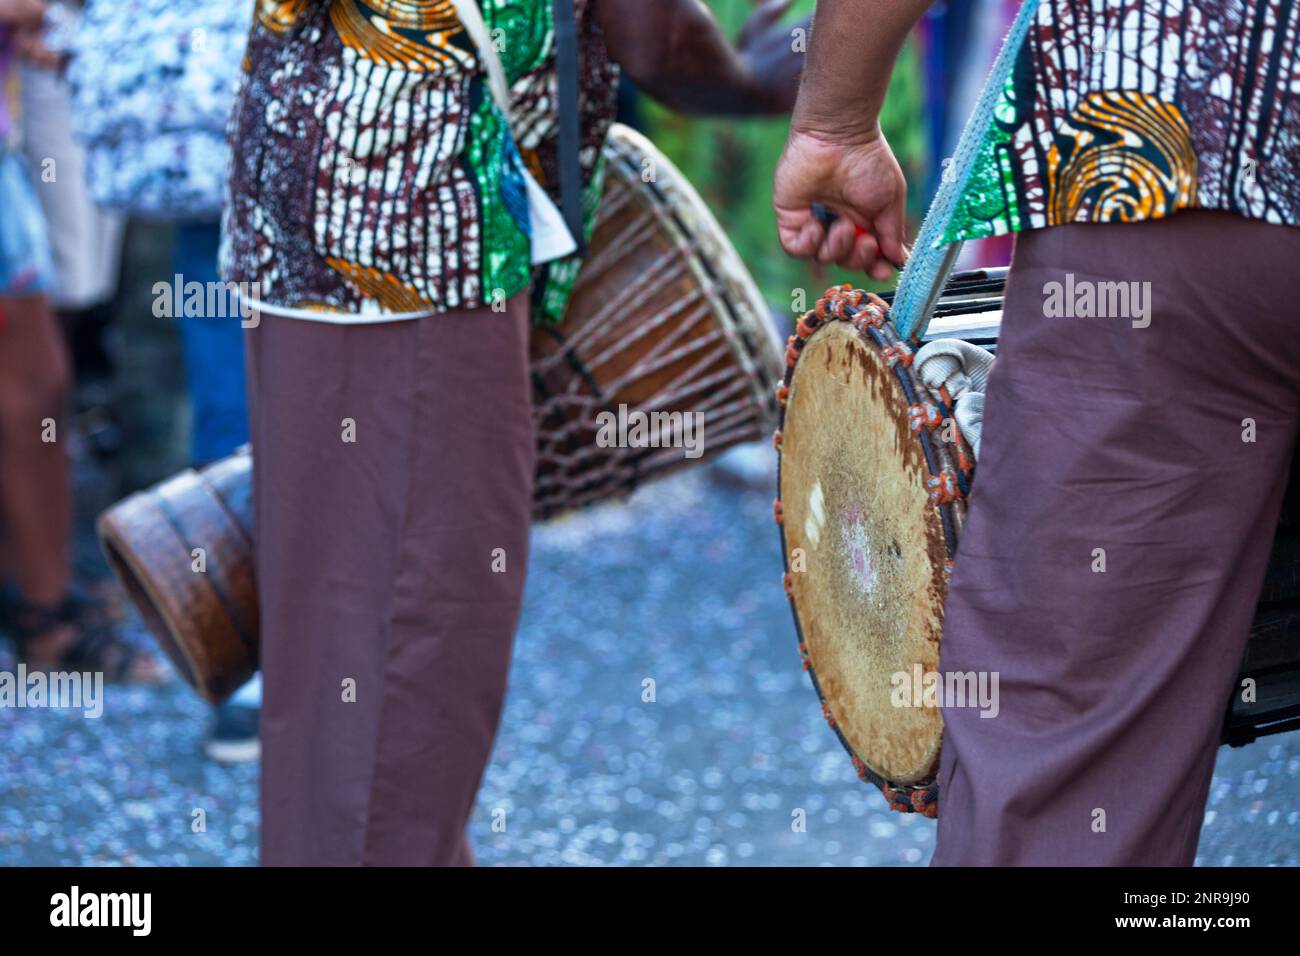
(680,586)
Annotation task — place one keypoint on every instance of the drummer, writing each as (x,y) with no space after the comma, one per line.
(381,208)
(1132,472)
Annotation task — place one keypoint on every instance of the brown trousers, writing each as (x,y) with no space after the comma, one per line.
(1100,435)
(393,476)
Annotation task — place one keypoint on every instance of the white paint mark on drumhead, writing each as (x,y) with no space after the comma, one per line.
(857,547)
(812,525)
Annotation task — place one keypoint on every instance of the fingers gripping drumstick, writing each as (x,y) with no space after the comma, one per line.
(828,218)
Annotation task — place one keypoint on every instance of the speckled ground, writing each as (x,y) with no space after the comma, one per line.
(680,586)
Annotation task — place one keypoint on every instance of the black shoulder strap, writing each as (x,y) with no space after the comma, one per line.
(566,56)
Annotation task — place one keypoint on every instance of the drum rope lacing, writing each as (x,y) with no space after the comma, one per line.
(708,334)
(947,458)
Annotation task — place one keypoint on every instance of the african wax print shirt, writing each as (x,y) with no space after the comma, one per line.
(1124,110)
(372,172)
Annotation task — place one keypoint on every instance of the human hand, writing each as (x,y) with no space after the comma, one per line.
(860,181)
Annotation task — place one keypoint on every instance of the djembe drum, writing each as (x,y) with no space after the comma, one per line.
(664,321)
(874,478)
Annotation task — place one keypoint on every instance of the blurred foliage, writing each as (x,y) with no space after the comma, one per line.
(731,163)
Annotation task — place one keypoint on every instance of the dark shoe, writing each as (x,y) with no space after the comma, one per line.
(234,737)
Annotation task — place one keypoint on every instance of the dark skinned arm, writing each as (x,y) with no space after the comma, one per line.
(675,51)
(836,155)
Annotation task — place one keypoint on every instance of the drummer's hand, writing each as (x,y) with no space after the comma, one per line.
(767,49)
(858,180)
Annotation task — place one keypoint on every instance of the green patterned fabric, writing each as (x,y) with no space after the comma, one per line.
(372,170)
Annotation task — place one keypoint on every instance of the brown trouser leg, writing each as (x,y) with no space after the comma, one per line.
(1101,437)
(393,477)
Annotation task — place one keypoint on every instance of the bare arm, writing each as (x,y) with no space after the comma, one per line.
(836,155)
(855,44)
(23,13)
(676,52)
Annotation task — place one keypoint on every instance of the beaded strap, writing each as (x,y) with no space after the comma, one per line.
(931,260)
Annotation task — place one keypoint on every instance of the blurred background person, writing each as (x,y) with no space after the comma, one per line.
(53,627)
(86,239)
(152,82)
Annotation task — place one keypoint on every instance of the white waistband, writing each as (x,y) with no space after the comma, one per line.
(335,318)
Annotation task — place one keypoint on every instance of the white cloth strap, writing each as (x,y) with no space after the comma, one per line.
(963,368)
(471,18)
(551,238)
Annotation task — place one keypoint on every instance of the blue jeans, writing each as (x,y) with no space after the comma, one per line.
(213,347)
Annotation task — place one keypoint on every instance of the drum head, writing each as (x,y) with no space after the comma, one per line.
(865,549)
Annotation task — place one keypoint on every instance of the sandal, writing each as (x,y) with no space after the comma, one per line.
(96,647)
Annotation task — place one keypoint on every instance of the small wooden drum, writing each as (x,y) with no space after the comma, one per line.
(664,321)
(870,528)
(183,552)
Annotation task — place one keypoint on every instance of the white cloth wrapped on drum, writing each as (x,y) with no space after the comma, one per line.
(963,368)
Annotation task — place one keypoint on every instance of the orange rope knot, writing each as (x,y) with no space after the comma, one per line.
(943,488)
(875,314)
(828,299)
(924,414)
(860,767)
(826,712)
(804,659)
(787,582)
(947,569)
(782,393)
(834,301)
(893,354)
(776,439)
(778,511)
(898,799)
(809,324)
(963,460)
(926,807)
